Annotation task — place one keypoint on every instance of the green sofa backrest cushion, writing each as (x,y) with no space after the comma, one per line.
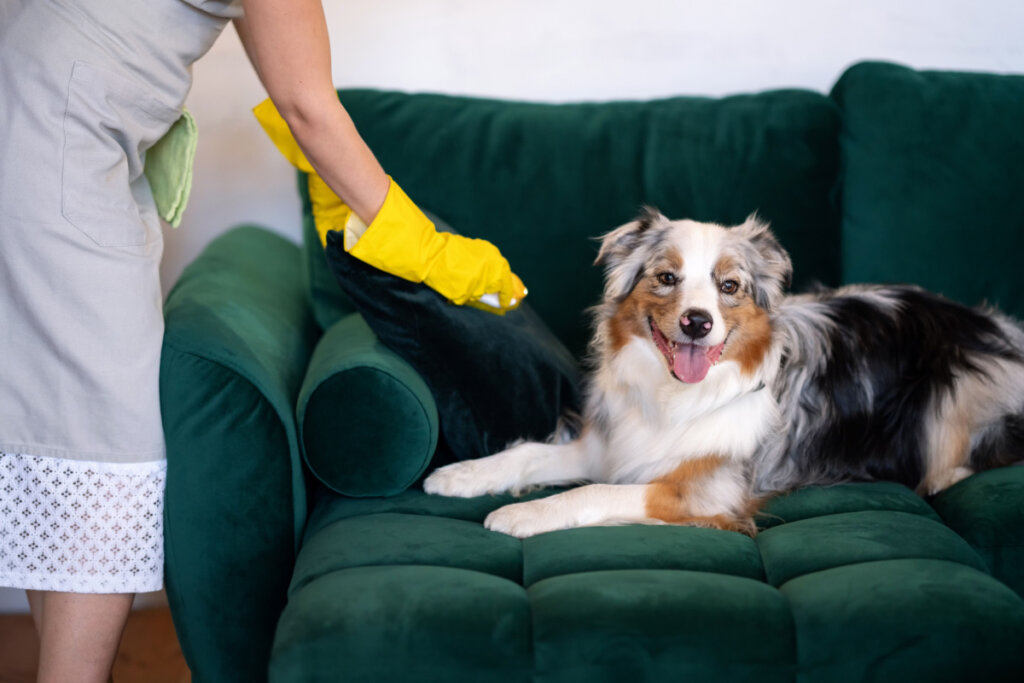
(933,181)
(542,180)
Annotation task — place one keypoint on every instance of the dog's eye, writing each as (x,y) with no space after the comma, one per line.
(730,287)
(667,279)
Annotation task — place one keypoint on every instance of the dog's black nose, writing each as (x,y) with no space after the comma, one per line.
(696,323)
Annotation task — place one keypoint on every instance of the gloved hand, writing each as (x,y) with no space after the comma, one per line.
(401,240)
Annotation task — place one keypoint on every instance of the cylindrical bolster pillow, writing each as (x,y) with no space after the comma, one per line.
(368,423)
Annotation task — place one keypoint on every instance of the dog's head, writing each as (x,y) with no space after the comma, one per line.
(699,292)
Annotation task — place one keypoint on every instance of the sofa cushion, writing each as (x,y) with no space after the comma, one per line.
(987,510)
(817,502)
(829,597)
(931,181)
(590,549)
(367,421)
(540,181)
(397,538)
(494,378)
(416,624)
(659,625)
(820,543)
(906,619)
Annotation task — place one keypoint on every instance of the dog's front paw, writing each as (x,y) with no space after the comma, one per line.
(466,479)
(525,519)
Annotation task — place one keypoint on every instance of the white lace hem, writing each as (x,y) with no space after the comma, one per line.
(81,527)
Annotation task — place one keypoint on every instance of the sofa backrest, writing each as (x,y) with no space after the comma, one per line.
(923,166)
(933,181)
(542,181)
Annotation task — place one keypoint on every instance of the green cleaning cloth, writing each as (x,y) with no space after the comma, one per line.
(169,168)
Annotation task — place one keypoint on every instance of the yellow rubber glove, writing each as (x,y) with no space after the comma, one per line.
(401,240)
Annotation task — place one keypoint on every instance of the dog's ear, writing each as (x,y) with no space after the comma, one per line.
(770,265)
(622,254)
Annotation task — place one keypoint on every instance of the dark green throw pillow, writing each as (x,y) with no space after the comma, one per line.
(495,379)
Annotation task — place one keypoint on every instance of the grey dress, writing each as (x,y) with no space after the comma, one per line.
(86,87)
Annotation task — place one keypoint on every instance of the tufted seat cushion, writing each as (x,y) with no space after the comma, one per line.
(853,582)
(987,510)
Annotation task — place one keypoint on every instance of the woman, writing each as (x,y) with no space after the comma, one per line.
(86,88)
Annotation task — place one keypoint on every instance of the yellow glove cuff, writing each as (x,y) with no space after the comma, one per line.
(329,212)
(401,240)
(404,242)
(280,134)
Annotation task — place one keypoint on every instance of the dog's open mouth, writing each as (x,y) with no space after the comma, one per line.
(689,363)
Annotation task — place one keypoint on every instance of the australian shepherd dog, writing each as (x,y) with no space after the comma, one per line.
(711,390)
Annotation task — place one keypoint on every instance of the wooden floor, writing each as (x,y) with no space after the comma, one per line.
(149,650)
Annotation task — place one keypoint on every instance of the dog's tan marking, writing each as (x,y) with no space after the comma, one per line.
(725,267)
(750,335)
(749,327)
(630,317)
(948,441)
(672,260)
(626,323)
(976,402)
(671,498)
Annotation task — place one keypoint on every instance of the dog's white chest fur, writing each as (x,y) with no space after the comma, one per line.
(660,422)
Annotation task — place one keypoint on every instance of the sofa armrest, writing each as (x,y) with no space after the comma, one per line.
(239,335)
(367,421)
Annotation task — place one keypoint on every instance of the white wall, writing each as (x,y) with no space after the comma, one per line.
(561,50)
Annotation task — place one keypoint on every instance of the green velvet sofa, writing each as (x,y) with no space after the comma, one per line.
(301,547)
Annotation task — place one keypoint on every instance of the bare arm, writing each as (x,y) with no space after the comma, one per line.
(287,43)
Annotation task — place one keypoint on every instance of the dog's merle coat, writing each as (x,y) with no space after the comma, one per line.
(862,370)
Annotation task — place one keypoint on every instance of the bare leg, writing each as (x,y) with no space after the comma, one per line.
(80,635)
(35,606)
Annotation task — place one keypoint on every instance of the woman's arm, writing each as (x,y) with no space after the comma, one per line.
(287,43)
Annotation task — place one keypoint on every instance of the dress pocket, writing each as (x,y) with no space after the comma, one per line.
(109,123)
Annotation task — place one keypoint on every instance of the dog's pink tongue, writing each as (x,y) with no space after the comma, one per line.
(690,363)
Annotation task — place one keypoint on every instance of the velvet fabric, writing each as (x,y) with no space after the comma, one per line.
(652,625)
(238,336)
(404,623)
(931,181)
(392,539)
(541,181)
(987,510)
(494,378)
(367,421)
(817,501)
(227,555)
(327,509)
(820,543)
(906,620)
(871,587)
(593,549)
